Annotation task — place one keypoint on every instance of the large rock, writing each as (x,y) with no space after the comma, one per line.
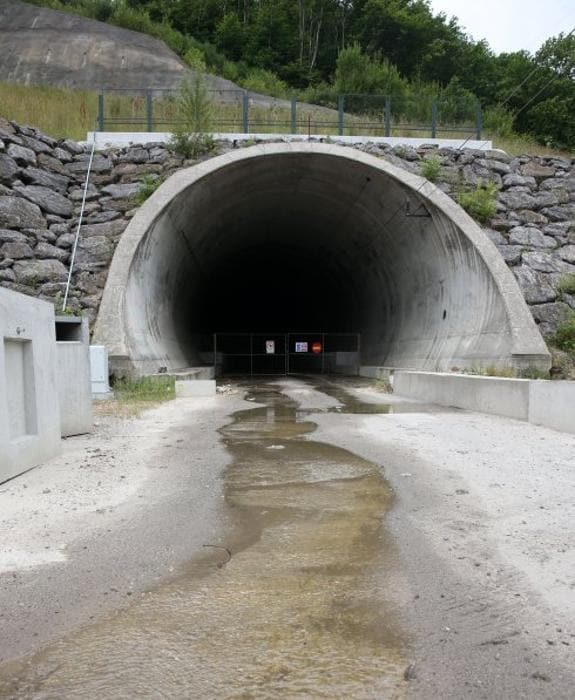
(34,272)
(109,229)
(511,253)
(517,199)
(530,237)
(567,253)
(534,286)
(537,171)
(550,316)
(46,250)
(564,212)
(16,212)
(21,154)
(544,262)
(121,191)
(96,249)
(49,201)
(16,251)
(8,168)
(42,178)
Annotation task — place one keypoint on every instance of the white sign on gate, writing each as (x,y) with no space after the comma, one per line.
(270,347)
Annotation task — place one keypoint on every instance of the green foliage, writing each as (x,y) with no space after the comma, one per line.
(191,138)
(147,187)
(359,73)
(481,202)
(564,338)
(431,168)
(498,121)
(194,57)
(567,284)
(378,47)
(145,389)
(264,82)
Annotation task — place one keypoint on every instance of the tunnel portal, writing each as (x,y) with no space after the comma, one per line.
(311,237)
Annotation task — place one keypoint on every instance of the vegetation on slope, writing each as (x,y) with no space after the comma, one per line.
(324,47)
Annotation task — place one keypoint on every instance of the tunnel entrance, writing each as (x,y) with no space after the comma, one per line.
(286,353)
(311,236)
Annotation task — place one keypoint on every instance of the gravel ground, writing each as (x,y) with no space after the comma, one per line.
(119,511)
(484,575)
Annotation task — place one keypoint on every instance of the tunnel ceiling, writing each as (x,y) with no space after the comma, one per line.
(312,237)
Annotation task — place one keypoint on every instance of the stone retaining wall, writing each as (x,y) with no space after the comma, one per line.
(41,188)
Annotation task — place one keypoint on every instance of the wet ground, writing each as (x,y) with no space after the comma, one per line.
(290,602)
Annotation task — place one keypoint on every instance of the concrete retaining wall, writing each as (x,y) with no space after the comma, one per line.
(29,413)
(74,386)
(551,404)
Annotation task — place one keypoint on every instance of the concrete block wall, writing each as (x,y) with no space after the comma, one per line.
(29,406)
(547,403)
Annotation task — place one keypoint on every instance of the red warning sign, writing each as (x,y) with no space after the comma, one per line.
(316,348)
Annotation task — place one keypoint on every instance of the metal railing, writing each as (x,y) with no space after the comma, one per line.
(241,111)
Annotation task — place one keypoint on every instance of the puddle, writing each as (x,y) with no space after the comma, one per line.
(291,604)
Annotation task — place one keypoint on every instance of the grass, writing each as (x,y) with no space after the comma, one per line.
(509,372)
(430,168)
(57,112)
(567,284)
(481,202)
(63,113)
(131,398)
(146,188)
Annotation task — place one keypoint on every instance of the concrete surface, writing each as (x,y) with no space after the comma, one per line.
(39,45)
(186,388)
(498,395)
(312,235)
(481,537)
(552,404)
(99,375)
(111,139)
(29,411)
(74,384)
(542,402)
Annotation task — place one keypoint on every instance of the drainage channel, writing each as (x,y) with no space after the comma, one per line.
(292,604)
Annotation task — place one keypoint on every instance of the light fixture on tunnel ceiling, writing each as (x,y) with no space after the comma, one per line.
(420,213)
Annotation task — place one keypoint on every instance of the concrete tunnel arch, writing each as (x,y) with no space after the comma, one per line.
(311,236)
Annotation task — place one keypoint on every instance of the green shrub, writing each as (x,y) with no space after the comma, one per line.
(481,202)
(567,284)
(145,389)
(264,82)
(564,338)
(431,168)
(191,137)
(147,187)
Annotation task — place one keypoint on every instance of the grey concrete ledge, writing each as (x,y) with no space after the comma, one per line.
(547,403)
(110,139)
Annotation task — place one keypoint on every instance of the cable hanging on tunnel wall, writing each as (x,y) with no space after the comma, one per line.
(80,219)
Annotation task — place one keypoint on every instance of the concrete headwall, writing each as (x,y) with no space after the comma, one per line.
(546,403)
(29,412)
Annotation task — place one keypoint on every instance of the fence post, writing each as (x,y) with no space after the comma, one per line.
(478,123)
(149,110)
(101,111)
(293,116)
(246,112)
(434,119)
(387,116)
(340,114)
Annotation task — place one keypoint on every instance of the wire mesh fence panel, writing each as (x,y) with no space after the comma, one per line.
(239,111)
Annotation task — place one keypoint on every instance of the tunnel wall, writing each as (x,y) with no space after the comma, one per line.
(426,287)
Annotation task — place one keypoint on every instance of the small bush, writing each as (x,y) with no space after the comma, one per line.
(431,168)
(567,284)
(264,82)
(564,338)
(480,203)
(147,187)
(145,389)
(191,137)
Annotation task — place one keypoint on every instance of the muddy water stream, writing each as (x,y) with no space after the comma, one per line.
(292,603)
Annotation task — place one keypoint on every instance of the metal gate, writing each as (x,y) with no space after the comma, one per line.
(286,353)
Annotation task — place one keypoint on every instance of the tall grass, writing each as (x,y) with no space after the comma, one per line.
(55,111)
(63,113)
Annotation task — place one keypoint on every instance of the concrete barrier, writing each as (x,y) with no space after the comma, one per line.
(552,404)
(74,387)
(547,403)
(195,387)
(29,406)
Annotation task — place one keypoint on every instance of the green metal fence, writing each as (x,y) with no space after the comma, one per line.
(240,111)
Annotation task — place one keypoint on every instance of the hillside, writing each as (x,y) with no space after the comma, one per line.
(43,46)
